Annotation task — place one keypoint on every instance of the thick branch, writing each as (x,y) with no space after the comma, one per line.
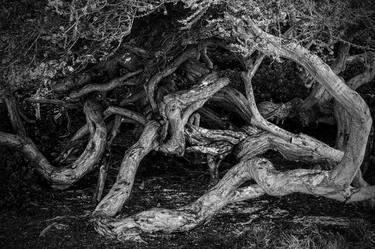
(279,111)
(125,113)
(113,110)
(177,108)
(316,182)
(154,81)
(133,98)
(213,118)
(304,148)
(235,101)
(187,217)
(120,191)
(351,100)
(66,176)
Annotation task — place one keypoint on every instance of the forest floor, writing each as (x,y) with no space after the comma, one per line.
(35,217)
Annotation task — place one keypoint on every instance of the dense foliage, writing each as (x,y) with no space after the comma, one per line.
(46,40)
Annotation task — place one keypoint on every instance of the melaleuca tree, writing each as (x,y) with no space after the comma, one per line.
(151,63)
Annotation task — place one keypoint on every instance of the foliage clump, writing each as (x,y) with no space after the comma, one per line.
(78,33)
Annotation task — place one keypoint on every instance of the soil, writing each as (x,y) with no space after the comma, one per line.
(34,216)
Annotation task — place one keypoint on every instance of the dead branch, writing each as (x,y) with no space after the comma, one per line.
(187,217)
(106,159)
(87,76)
(128,117)
(233,100)
(304,148)
(252,141)
(153,82)
(125,113)
(178,107)
(133,98)
(279,111)
(120,191)
(214,119)
(342,176)
(121,81)
(66,176)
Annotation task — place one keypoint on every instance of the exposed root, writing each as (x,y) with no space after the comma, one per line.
(187,217)
(106,159)
(66,176)
(120,191)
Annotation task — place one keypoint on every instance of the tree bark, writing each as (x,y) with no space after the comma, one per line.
(120,191)
(64,177)
(345,171)
(187,217)
(178,107)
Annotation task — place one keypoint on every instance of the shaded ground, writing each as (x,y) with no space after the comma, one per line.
(31,218)
(34,216)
